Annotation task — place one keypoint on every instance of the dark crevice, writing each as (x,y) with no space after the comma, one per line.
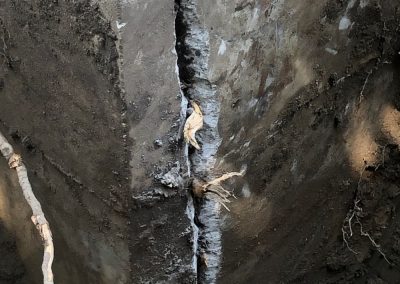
(185,54)
(192,47)
(186,76)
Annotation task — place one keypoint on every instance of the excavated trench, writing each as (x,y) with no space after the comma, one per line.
(192,46)
(59,75)
(303,94)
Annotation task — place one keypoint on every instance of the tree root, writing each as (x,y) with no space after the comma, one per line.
(38,218)
(192,124)
(200,188)
(355,214)
(365,84)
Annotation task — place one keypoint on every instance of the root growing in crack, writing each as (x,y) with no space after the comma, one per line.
(193,123)
(201,188)
(38,218)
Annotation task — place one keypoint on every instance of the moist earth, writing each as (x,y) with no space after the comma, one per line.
(308,94)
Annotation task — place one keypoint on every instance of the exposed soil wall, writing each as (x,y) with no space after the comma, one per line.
(302,95)
(61,107)
(308,105)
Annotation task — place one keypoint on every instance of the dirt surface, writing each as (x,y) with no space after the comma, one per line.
(85,135)
(306,95)
(319,137)
(61,106)
(12,267)
(160,237)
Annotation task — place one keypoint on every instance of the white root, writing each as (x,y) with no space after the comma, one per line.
(344,234)
(192,124)
(38,218)
(355,213)
(218,181)
(215,187)
(376,245)
(365,84)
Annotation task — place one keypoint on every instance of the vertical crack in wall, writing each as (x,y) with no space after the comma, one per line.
(190,208)
(192,46)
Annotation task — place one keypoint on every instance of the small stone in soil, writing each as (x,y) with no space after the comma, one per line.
(158,143)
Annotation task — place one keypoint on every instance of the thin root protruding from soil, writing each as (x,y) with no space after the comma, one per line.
(38,218)
(214,186)
(352,218)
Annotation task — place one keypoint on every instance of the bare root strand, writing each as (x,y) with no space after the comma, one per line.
(348,220)
(38,218)
(215,187)
(355,214)
(192,125)
(224,177)
(350,226)
(365,84)
(344,234)
(375,244)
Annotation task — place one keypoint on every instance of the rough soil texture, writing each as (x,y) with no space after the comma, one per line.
(88,138)
(61,107)
(309,105)
(159,226)
(15,254)
(12,267)
(313,112)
